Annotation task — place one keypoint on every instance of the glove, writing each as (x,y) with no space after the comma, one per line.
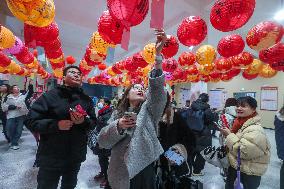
(12,107)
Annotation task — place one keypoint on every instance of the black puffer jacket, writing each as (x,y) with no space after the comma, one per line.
(204,138)
(59,148)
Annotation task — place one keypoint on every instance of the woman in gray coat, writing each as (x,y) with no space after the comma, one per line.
(132,136)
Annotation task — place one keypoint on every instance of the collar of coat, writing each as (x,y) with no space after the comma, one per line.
(68,89)
(252,121)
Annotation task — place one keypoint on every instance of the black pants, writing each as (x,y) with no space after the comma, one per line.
(103,161)
(145,179)
(49,178)
(282,177)
(4,121)
(198,162)
(248,181)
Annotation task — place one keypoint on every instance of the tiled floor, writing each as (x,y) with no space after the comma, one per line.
(16,171)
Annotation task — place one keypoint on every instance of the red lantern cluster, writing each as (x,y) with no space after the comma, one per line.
(223,65)
(192,31)
(170,48)
(242,60)
(272,54)
(4,60)
(229,15)
(249,76)
(186,59)
(139,60)
(169,65)
(130,65)
(231,45)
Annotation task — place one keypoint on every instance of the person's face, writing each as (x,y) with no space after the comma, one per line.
(3,88)
(137,93)
(244,110)
(73,78)
(15,90)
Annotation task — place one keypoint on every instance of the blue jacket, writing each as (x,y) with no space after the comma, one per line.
(279,135)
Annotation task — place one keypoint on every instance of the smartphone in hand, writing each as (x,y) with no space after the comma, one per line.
(217,125)
(130,115)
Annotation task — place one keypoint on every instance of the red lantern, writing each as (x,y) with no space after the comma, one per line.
(53,54)
(229,15)
(249,76)
(110,29)
(192,70)
(70,60)
(272,54)
(234,72)
(52,45)
(192,31)
(279,66)
(186,59)
(169,65)
(171,46)
(215,75)
(205,78)
(242,60)
(25,56)
(223,65)
(4,60)
(264,35)
(178,74)
(129,13)
(130,65)
(226,77)
(57,65)
(139,60)
(231,45)
(102,66)
(115,69)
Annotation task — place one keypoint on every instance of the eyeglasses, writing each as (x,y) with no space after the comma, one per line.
(75,73)
(138,88)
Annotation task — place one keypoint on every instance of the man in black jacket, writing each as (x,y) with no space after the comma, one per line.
(63,126)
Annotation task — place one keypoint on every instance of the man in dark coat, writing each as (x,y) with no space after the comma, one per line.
(203,138)
(62,117)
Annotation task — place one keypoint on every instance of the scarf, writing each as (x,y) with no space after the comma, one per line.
(239,121)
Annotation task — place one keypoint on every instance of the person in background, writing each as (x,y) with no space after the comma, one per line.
(62,117)
(103,154)
(279,133)
(203,138)
(248,137)
(99,105)
(16,109)
(131,133)
(187,104)
(4,92)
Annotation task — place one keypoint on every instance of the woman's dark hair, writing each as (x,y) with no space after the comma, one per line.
(107,101)
(242,101)
(281,111)
(124,104)
(231,102)
(168,103)
(204,97)
(8,87)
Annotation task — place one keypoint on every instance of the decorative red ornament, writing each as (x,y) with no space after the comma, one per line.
(129,13)
(279,66)
(242,60)
(272,54)
(25,56)
(231,45)
(264,35)
(226,77)
(130,65)
(171,46)
(139,60)
(192,70)
(178,74)
(52,45)
(4,60)
(215,75)
(102,66)
(169,65)
(186,59)
(249,76)
(57,65)
(115,69)
(205,78)
(53,54)
(192,31)
(110,29)
(70,60)
(234,72)
(223,65)
(229,15)
(35,52)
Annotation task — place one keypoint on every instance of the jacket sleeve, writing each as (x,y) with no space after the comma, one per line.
(209,117)
(38,119)
(156,96)
(5,106)
(109,135)
(253,144)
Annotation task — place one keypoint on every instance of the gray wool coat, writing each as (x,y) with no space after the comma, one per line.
(131,154)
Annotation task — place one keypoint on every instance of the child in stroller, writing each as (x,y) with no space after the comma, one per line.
(173,171)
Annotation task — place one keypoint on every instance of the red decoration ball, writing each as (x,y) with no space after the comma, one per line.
(223,65)
(272,54)
(249,76)
(25,56)
(192,31)
(242,60)
(102,66)
(52,45)
(279,66)
(53,54)
(129,13)
(169,65)
(115,69)
(170,48)
(130,65)
(4,60)
(186,59)
(231,45)
(139,60)
(70,60)
(110,29)
(229,15)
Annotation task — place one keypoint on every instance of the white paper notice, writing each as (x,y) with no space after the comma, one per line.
(269,98)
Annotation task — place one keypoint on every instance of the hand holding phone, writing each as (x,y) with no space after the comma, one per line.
(217,125)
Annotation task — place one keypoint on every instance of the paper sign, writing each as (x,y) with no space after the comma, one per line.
(157,14)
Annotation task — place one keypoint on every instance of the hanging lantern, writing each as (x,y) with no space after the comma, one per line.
(53,54)
(115,69)
(52,45)
(4,60)
(226,77)
(249,76)
(229,15)
(129,13)
(7,38)
(272,54)
(254,67)
(186,59)
(223,65)
(18,45)
(231,45)
(215,77)
(36,13)
(279,66)
(264,35)
(242,60)
(130,65)
(149,53)
(70,60)
(193,78)
(267,72)
(192,70)
(205,69)
(139,60)
(206,54)
(110,29)
(169,65)
(234,72)
(192,31)
(57,65)
(25,56)
(99,44)
(171,46)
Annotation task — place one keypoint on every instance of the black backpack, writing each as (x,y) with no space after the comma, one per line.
(194,119)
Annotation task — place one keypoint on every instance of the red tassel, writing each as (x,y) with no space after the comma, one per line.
(125,38)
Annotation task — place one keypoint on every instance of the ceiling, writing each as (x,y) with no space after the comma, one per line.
(77,21)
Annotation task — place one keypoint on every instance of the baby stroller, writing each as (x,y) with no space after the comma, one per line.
(173,171)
